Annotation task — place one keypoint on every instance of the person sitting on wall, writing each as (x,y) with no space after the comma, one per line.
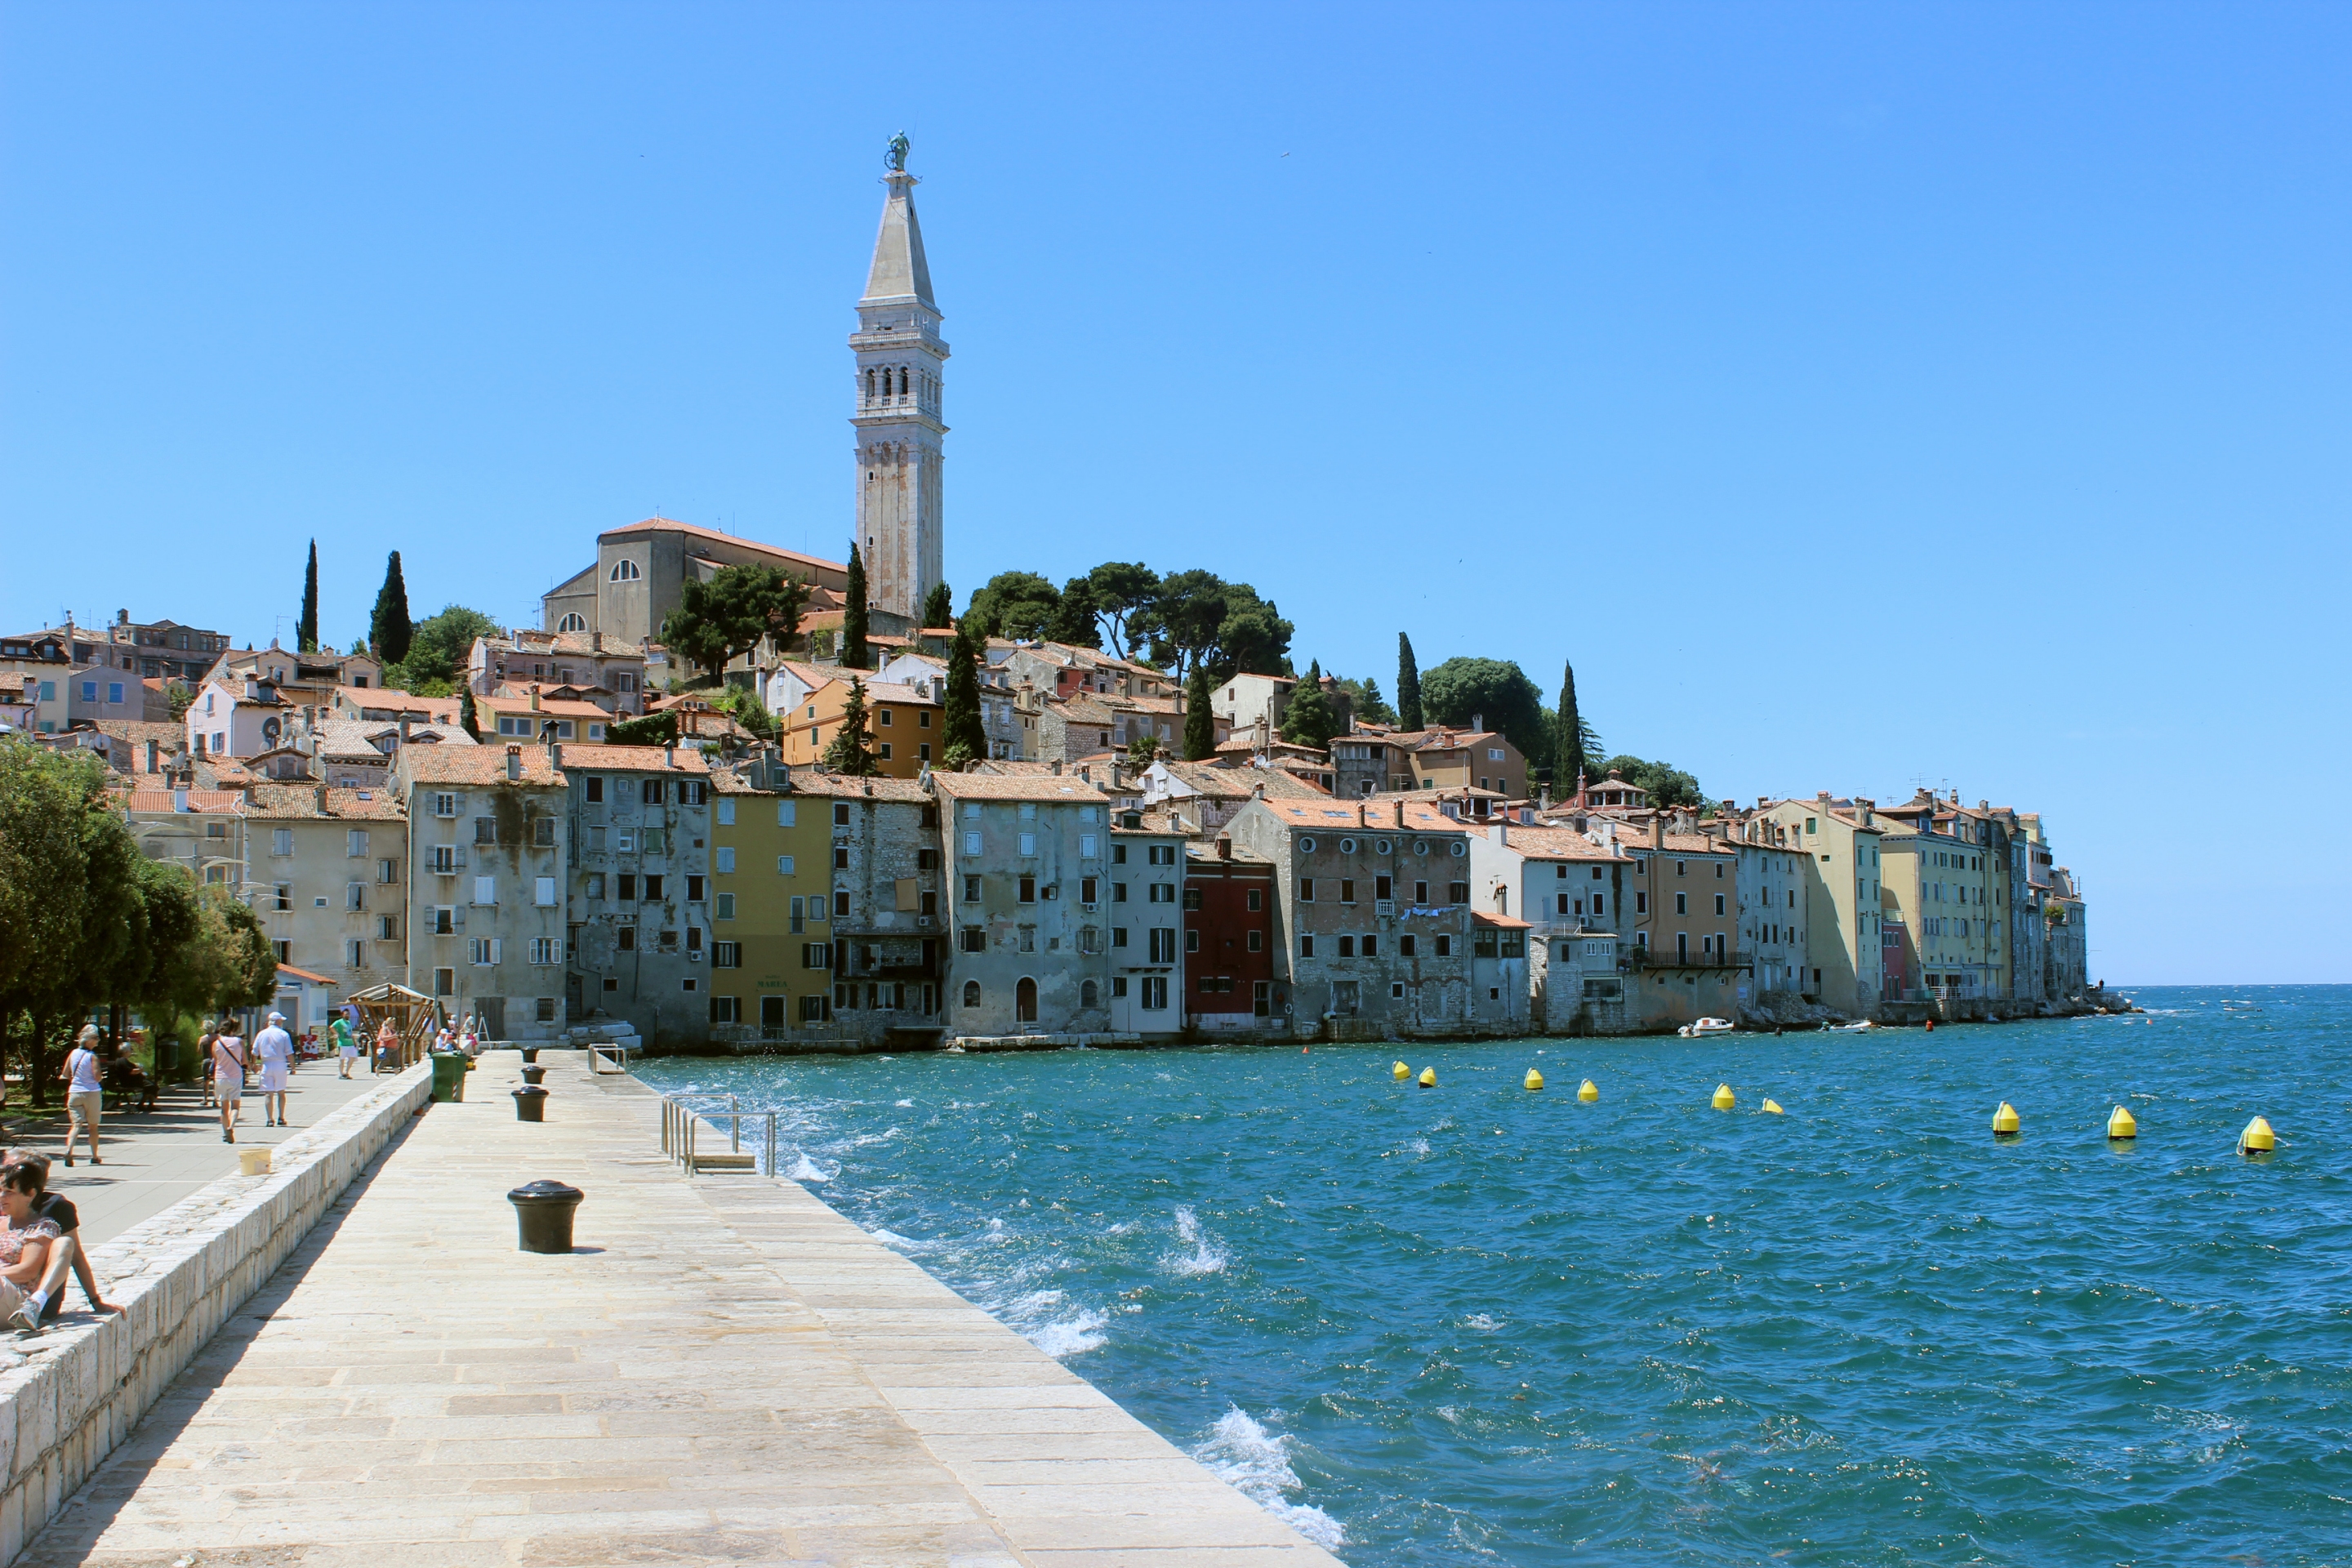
(66,1253)
(130,1081)
(24,1244)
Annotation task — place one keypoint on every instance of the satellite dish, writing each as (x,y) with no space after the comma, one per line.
(269,729)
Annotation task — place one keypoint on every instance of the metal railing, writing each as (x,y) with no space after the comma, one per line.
(683,1117)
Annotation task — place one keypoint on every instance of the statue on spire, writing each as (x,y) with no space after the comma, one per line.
(894,157)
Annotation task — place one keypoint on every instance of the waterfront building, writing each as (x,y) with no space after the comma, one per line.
(1148,961)
(488,852)
(1856,946)
(903,723)
(1940,884)
(1568,885)
(1229,946)
(1028,864)
(1773,882)
(1371,917)
(1498,972)
(639,906)
(883,865)
(329,879)
(1681,918)
(771,924)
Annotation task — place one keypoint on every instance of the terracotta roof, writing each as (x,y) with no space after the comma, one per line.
(477,765)
(844,786)
(276,800)
(437,710)
(642,759)
(1508,922)
(671,525)
(1068,788)
(160,800)
(581,644)
(1218,784)
(1155,821)
(304,974)
(1557,843)
(557,708)
(1333,817)
(1196,850)
(138,731)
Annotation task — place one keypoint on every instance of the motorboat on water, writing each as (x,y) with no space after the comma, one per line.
(1854,1029)
(1706,1026)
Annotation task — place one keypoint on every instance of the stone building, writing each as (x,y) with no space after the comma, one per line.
(772,905)
(1568,885)
(1229,947)
(1147,877)
(333,891)
(899,385)
(639,909)
(1855,944)
(1028,866)
(889,929)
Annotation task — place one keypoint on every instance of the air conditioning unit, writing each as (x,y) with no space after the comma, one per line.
(694,955)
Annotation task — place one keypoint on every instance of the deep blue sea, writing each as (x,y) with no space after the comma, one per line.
(1472,1324)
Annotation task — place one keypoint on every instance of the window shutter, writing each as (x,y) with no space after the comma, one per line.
(494,949)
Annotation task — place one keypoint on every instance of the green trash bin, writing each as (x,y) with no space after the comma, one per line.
(449,1076)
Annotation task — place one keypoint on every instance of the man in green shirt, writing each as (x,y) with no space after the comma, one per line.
(347,1050)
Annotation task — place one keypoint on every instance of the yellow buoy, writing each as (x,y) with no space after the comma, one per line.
(1534,1078)
(1772,1108)
(1429,1078)
(1723,1097)
(1588,1091)
(1402,1071)
(2258,1138)
(2004,1120)
(2122,1123)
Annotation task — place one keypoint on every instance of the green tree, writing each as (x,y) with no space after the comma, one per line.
(965,733)
(1309,720)
(1199,619)
(306,629)
(1492,691)
(1668,785)
(1073,618)
(1121,592)
(742,704)
(1364,697)
(851,750)
(1568,735)
(468,719)
(1015,604)
(440,648)
(1409,712)
(854,655)
(1200,719)
(180,699)
(1142,750)
(729,614)
(938,607)
(389,629)
(645,730)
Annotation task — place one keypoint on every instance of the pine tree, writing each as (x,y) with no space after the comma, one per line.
(966,736)
(1200,723)
(306,630)
(1308,720)
(938,607)
(851,751)
(854,654)
(1567,751)
(389,629)
(1408,686)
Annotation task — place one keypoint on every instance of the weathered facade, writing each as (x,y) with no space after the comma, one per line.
(333,862)
(640,914)
(1029,868)
(1229,957)
(887,884)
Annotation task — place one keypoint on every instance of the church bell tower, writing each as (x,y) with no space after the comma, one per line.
(899,400)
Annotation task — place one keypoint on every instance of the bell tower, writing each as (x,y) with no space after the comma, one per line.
(900,401)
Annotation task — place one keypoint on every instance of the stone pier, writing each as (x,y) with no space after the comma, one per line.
(723,1371)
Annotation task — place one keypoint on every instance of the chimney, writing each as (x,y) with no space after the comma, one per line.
(1500,832)
(322,800)
(405,720)
(1657,830)
(555,754)
(870,787)
(514,761)
(180,798)
(1363,814)
(1478,722)
(1400,813)
(1224,846)
(597,641)
(534,699)
(152,748)
(669,753)
(1057,767)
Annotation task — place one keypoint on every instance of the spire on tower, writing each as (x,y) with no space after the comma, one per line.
(899,271)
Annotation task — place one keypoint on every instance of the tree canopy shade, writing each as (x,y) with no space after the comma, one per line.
(1494,692)
(389,628)
(1200,720)
(1016,604)
(1074,617)
(1409,710)
(439,651)
(1364,697)
(1668,784)
(854,652)
(939,606)
(851,750)
(966,735)
(1309,720)
(1121,594)
(306,627)
(728,615)
(1204,620)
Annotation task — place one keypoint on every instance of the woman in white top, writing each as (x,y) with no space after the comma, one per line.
(85,1092)
(228,1077)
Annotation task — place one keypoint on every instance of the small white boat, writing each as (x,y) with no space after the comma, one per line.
(1705,1026)
(1854,1028)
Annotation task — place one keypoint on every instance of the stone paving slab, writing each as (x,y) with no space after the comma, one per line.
(723,1371)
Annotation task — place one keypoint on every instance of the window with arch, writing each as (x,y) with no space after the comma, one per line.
(1088,993)
(574,622)
(625,572)
(971,993)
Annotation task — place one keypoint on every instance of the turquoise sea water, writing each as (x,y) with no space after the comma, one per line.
(1474,1324)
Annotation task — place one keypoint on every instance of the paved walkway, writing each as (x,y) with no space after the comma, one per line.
(153,1160)
(723,1371)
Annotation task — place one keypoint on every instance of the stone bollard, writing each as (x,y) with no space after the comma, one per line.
(530,1103)
(543,1215)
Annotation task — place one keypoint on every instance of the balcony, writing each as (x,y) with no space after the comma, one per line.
(1666,958)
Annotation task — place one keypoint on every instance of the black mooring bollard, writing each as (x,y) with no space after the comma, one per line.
(531,1052)
(543,1215)
(534,1074)
(530,1103)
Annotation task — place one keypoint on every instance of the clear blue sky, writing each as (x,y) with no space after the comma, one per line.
(1860,396)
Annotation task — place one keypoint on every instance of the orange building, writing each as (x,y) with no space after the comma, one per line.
(904,722)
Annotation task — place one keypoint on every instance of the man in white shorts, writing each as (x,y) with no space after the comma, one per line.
(273,1048)
(85,1092)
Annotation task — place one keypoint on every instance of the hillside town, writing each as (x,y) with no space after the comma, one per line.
(650,817)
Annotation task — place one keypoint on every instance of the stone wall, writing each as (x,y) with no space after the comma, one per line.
(179,1277)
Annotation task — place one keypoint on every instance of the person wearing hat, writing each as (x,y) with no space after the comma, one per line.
(273,1048)
(85,1091)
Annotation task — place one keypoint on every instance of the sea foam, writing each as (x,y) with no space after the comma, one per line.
(1206,1256)
(1257,1464)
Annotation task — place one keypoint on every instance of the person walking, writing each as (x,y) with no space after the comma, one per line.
(347,1050)
(205,1054)
(273,1048)
(85,1091)
(229,1076)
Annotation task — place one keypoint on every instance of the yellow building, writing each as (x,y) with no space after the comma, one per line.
(1852,965)
(904,722)
(1949,893)
(771,958)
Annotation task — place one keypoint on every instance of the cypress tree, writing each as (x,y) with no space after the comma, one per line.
(390,629)
(467,717)
(306,630)
(966,737)
(938,607)
(1567,751)
(1308,720)
(1408,686)
(1200,724)
(853,654)
(851,751)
